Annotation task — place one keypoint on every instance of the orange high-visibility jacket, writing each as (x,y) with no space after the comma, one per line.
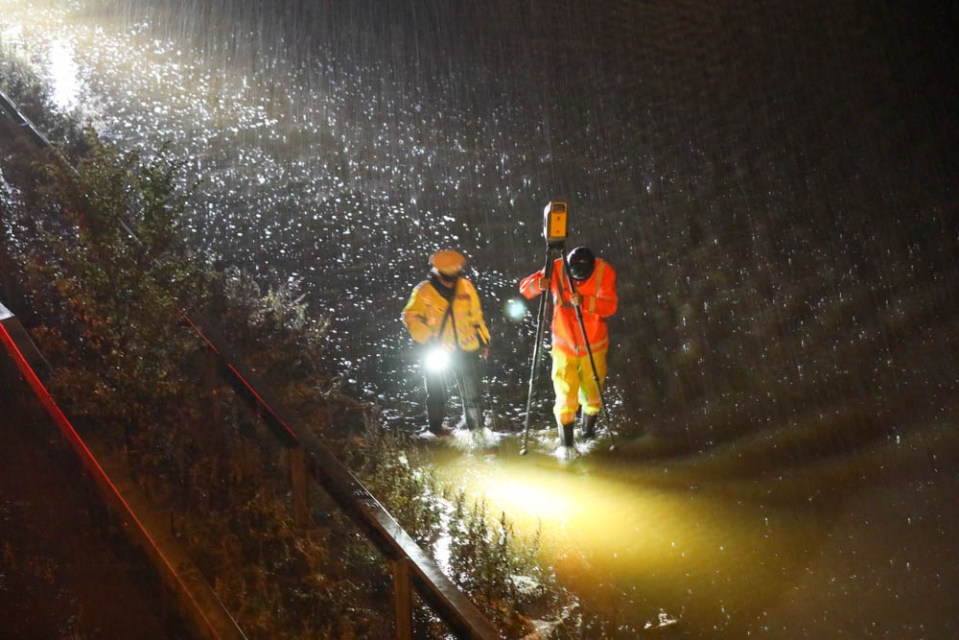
(599,302)
(425,315)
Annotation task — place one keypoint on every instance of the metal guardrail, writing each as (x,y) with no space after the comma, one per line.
(8,107)
(412,567)
(196,599)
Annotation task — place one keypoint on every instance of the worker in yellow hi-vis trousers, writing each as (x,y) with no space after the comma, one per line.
(593,292)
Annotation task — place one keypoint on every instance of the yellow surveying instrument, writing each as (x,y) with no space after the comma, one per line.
(554,223)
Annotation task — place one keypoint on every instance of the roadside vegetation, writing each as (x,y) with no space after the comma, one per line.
(94,264)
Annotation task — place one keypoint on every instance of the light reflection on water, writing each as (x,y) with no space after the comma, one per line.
(633,546)
(719,556)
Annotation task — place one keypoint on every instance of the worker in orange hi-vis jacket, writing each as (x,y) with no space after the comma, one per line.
(593,290)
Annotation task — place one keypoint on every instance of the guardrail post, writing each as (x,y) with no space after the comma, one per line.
(300,481)
(402,599)
(210,372)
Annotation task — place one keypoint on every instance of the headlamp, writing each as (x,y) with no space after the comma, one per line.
(437,359)
(515,310)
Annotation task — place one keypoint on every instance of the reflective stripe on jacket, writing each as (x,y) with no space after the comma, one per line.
(425,313)
(599,302)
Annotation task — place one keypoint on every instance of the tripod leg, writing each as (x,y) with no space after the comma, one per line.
(540,331)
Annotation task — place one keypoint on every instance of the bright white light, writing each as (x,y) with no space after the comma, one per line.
(549,503)
(65,76)
(515,310)
(437,359)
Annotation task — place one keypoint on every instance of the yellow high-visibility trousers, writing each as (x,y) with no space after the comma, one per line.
(574,385)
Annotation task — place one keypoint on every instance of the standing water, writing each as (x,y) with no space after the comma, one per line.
(775,186)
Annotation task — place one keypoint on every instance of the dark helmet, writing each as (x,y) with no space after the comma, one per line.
(581,263)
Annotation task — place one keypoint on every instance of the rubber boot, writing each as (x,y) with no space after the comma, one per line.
(435,419)
(566,434)
(589,425)
(474,418)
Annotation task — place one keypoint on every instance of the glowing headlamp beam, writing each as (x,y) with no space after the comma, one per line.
(436,360)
